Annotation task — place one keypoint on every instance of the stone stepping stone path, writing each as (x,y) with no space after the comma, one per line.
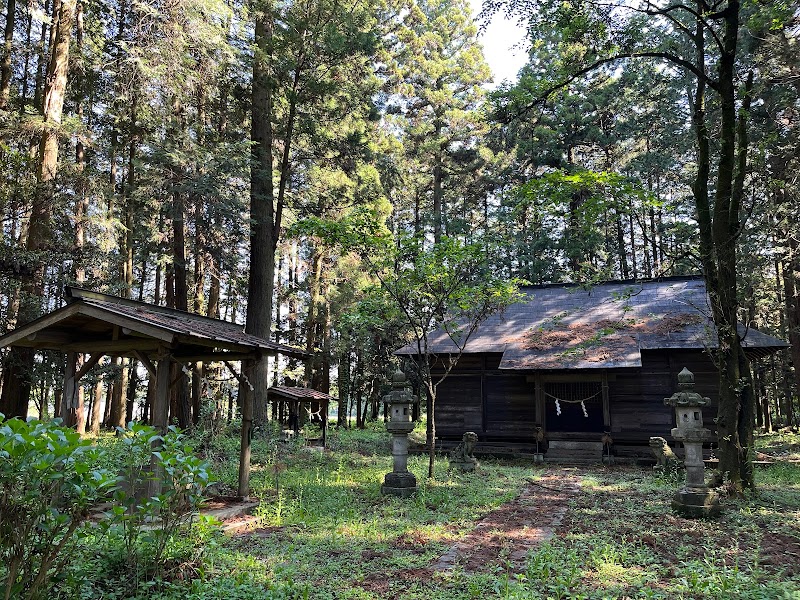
(506,535)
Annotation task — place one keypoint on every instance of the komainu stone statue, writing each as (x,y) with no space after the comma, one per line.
(664,455)
(462,457)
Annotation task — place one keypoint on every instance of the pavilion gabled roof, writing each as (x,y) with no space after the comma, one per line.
(95,322)
(301,394)
(607,325)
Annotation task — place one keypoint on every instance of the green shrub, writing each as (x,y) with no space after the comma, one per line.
(144,525)
(47,484)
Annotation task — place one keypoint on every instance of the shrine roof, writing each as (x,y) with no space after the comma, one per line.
(607,325)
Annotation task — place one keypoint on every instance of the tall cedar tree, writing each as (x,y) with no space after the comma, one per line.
(19,363)
(593,37)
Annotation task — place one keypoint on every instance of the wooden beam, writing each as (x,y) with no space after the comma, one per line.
(325,403)
(180,376)
(239,347)
(573,378)
(241,378)
(160,409)
(606,407)
(212,343)
(216,357)
(538,396)
(108,347)
(146,362)
(257,385)
(87,366)
(246,402)
(49,337)
(159,414)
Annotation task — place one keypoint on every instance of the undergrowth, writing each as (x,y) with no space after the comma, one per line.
(326,532)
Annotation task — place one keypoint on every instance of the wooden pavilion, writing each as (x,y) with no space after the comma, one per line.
(295,398)
(98,325)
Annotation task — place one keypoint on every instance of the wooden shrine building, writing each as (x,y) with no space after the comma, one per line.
(98,325)
(580,363)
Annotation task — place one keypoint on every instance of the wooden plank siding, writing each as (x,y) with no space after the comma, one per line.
(508,405)
(459,405)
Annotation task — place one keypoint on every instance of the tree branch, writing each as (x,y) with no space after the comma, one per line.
(667,56)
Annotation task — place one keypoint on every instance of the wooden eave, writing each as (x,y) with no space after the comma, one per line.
(45,334)
(88,327)
(298,394)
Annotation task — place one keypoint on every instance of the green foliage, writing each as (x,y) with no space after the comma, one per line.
(435,73)
(327,533)
(671,475)
(449,287)
(48,481)
(146,526)
(573,203)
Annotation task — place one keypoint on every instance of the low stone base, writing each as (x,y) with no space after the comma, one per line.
(399,484)
(538,457)
(465,466)
(608,459)
(696,503)
(406,492)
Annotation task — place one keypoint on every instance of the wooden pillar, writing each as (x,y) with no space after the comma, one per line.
(538,398)
(159,412)
(72,409)
(325,423)
(247,394)
(71,412)
(606,403)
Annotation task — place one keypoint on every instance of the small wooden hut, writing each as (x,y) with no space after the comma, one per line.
(295,398)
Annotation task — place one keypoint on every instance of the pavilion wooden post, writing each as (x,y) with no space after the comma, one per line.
(326,404)
(71,412)
(159,412)
(247,394)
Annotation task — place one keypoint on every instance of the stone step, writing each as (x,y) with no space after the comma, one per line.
(568,452)
(575,454)
(573,461)
(575,445)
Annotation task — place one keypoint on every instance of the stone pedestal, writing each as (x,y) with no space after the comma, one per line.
(696,503)
(399,484)
(465,466)
(462,458)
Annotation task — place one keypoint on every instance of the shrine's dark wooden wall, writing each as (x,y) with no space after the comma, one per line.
(508,406)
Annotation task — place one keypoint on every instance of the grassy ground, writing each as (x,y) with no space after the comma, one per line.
(328,533)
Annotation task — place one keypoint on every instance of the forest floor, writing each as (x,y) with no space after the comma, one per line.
(510,530)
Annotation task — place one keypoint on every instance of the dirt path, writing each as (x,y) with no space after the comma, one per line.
(507,534)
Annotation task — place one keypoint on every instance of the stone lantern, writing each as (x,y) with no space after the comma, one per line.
(695,499)
(400,482)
